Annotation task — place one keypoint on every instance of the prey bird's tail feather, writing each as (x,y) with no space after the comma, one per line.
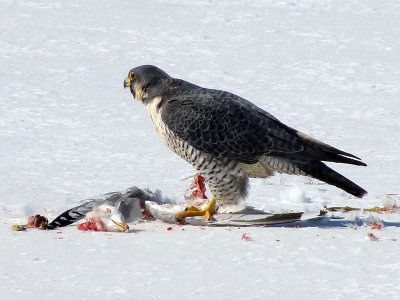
(320,171)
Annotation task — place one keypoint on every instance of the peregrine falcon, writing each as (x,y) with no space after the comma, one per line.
(228,139)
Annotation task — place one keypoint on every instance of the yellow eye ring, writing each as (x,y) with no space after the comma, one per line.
(132,76)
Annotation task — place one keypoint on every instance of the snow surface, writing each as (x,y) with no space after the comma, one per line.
(69,131)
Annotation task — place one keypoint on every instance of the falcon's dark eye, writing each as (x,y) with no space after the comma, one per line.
(132,76)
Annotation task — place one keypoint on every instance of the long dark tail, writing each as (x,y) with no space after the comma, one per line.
(322,172)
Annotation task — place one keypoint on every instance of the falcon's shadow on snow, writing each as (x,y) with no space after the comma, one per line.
(336,222)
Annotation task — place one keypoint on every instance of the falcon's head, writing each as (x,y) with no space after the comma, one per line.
(146,82)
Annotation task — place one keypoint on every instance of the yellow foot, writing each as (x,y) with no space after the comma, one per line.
(192,211)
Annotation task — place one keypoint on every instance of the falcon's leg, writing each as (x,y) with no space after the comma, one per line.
(192,211)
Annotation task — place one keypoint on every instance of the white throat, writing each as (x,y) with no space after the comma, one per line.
(153,109)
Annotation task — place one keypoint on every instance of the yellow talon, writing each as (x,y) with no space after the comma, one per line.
(192,211)
(192,208)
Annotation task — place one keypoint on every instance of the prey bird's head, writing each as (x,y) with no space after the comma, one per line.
(111,218)
(146,82)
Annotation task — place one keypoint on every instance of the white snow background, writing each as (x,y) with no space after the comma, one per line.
(69,131)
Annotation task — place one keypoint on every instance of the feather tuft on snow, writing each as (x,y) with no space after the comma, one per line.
(295,195)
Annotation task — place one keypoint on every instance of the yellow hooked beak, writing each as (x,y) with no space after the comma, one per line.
(121,226)
(127,82)
(129,79)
